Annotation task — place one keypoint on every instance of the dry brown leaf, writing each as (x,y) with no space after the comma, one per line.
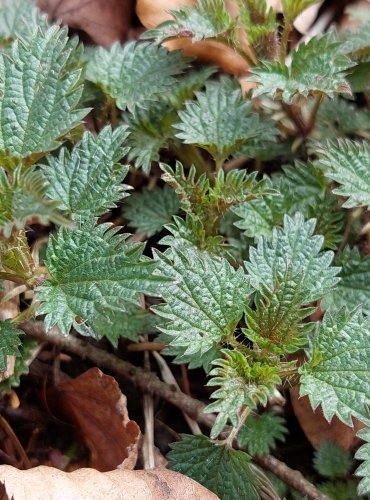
(46,483)
(153,13)
(94,403)
(104,21)
(316,427)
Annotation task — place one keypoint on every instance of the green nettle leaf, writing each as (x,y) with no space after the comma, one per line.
(204,299)
(259,216)
(19,17)
(92,270)
(275,323)
(293,250)
(9,341)
(135,73)
(206,19)
(40,90)
(24,198)
(356,44)
(260,433)
(337,372)
(149,211)
(332,461)
(126,321)
(363,453)
(292,8)
(240,383)
(149,131)
(87,181)
(338,117)
(21,365)
(348,163)
(317,67)
(354,286)
(222,470)
(220,120)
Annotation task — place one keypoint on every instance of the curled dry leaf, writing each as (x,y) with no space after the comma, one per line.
(316,427)
(46,483)
(153,13)
(95,405)
(104,21)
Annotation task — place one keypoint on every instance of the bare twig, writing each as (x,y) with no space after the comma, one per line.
(149,382)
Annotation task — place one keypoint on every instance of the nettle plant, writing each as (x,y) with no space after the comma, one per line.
(261,201)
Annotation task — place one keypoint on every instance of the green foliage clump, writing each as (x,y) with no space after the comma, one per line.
(263,215)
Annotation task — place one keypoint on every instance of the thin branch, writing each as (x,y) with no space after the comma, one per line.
(149,382)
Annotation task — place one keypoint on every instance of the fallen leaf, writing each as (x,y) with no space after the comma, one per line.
(47,483)
(95,405)
(104,21)
(317,429)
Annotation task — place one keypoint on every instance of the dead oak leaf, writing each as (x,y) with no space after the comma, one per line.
(95,405)
(104,21)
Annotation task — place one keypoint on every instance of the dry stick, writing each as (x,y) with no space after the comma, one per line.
(149,382)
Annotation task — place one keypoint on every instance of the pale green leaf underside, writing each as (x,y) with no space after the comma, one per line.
(135,73)
(353,288)
(40,91)
(363,453)
(317,68)
(91,269)
(88,180)
(149,211)
(19,18)
(348,163)
(9,342)
(204,300)
(337,375)
(219,120)
(293,250)
(224,471)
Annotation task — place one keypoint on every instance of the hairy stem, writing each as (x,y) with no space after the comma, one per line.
(312,120)
(284,41)
(149,382)
(234,431)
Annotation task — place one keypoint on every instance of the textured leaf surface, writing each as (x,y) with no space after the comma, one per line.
(204,300)
(260,433)
(353,288)
(135,73)
(224,471)
(337,373)
(9,341)
(317,68)
(294,249)
(25,198)
(240,384)
(149,211)
(332,461)
(40,90)
(348,163)
(22,364)
(206,19)
(219,120)
(88,180)
(91,269)
(292,8)
(363,454)
(18,17)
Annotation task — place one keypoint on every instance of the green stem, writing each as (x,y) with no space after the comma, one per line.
(190,155)
(284,41)
(234,431)
(219,164)
(312,120)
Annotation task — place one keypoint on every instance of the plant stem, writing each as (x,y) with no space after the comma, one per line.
(284,41)
(312,120)
(149,382)
(234,431)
